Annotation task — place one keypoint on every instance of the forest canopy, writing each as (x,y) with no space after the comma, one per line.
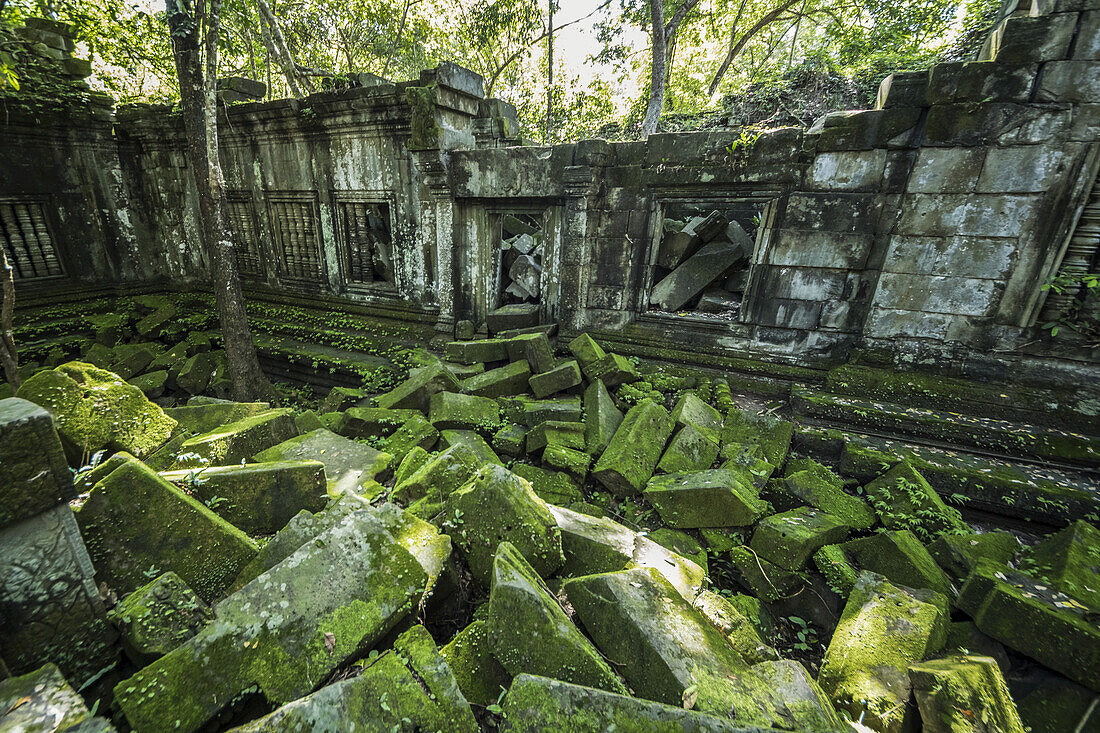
(724,61)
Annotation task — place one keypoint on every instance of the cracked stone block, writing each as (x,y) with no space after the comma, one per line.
(349,465)
(510,379)
(158,617)
(526,275)
(439,476)
(713,498)
(238,441)
(635,448)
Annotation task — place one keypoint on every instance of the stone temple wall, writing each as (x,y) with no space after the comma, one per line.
(922,229)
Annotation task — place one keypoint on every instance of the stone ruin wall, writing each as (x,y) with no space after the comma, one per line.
(923,228)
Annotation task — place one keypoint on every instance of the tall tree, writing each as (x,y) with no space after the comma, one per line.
(663,35)
(194,32)
(9,356)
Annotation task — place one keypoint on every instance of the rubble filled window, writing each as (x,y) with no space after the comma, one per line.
(27,241)
(521,244)
(701,262)
(367,242)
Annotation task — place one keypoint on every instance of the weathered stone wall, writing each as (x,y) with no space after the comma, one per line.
(924,228)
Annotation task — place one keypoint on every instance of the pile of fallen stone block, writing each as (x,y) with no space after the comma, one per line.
(514,538)
(701,265)
(521,260)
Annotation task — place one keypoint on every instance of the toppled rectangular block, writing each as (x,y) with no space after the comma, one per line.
(558,379)
(158,617)
(692,277)
(236,442)
(258,498)
(516,315)
(690,450)
(715,498)
(453,411)
(816,489)
(284,632)
(43,702)
(585,349)
(510,440)
(635,449)
(439,476)
(535,348)
(555,432)
(601,418)
(904,500)
(416,432)
(137,525)
(690,410)
(415,392)
(35,476)
(198,419)
(612,370)
(791,538)
(476,352)
(770,433)
(371,422)
(473,441)
(477,673)
(553,487)
(573,462)
(510,379)
(954,693)
(1070,560)
(566,409)
(900,558)
(349,466)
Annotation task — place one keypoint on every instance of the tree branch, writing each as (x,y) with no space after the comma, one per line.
(737,44)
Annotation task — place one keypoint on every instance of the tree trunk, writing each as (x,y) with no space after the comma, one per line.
(298,84)
(8,353)
(549,71)
(657,68)
(198,102)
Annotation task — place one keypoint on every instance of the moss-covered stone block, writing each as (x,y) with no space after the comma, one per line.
(136,526)
(840,574)
(473,441)
(238,441)
(904,500)
(557,379)
(258,498)
(553,487)
(964,694)
(601,418)
(325,605)
(132,359)
(373,422)
(585,350)
(478,674)
(555,432)
(691,410)
(35,475)
(595,544)
(791,538)
(195,373)
(632,455)
(689,450)
(1070,560)
(198,419)
(534,348)
(340,399)
(416,432)
(510,379)
(572,462)
(819,490)
(496,506)
(674,652)
(42,701)
(531,412)
(530,633)
(780,694)
(95,410)
(770,433)
(747,460)
(681,543)
(416,391)
(741,633)
(883,629)
(454,411)
(716,498)
(158,617)
(537,704)
(151,384)
(477,352)
(900,558)
(439,476)
(957,554)
(1050,703)
(963,637)
(510,440)
(1034,619)
(349,465)
(612,370)
(766,580)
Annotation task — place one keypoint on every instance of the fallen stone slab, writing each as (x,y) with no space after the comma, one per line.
(36,476)
(601,418)
(555,432)
(612,370)
(904,500)
(884,628)
(553,487)
(599,545)
(477,672)
(438,477)
(408,688)
(238,441)
(585,350)
(815,489)
(957,554)
(416,432)
(131,360)
(1034,619)
(43,702)
(286,631)
(781,695)
(572,462)
(964,638)
(151,384)
(566,409)
(415,392)
(137,526)
(900,558)
(496,506)
(690,450)
(632,455)
(663,647)
(196,372)
(349,465)
(95,410)
(535,349)
(526,274)
(791,538)
(342,398)
(473,441)
(676,247)
(372,422)
(739,631)
(1070,560)
(558,379)
(1050,703)
(697,272)
(257,498)
(454,411)
(537,704)
(510,379)
(198,419)
(715,498)
(529,632)
(766,580)
(509,317)
(963,693)
(158,617)
(484,351)
(510,440)
(690,410)
(840,574)
(770,433)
